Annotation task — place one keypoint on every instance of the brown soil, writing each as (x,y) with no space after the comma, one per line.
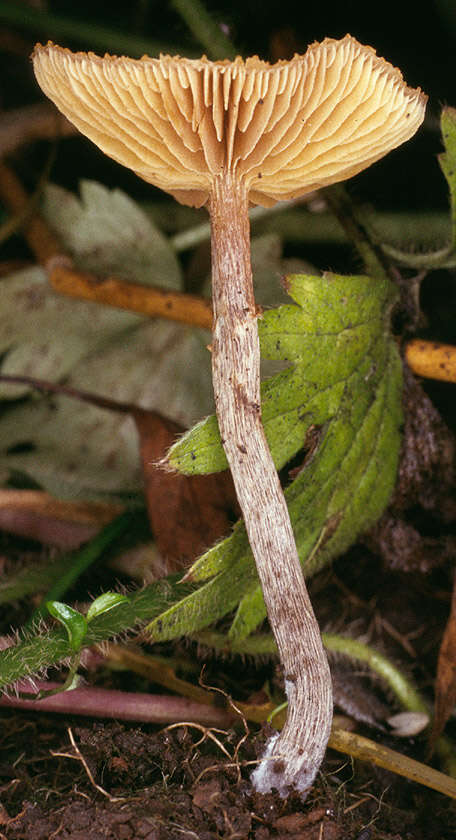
(127,782)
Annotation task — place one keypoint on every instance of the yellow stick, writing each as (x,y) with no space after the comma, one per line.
(366,750)
(432,359)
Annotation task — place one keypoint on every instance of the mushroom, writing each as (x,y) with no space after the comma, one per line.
(223,134)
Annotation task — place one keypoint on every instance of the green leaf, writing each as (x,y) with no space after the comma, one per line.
(74,623)
(343,392)
(447,162)
(38,649)
(104,603)
(326,337)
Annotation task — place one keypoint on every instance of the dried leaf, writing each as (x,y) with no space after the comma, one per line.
(355,697)
(445,689)
(408,724)
(187,514)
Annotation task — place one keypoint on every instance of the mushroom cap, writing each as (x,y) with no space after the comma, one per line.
(284,129)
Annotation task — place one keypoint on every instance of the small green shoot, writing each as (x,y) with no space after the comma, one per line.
(73,621)
(76,626)
(104,603)
(83,559)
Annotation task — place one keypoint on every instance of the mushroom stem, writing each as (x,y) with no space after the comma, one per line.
(292,758)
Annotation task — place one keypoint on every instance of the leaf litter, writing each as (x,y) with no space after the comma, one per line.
(153,364)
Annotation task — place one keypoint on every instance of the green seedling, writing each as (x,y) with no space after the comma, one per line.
(76,626)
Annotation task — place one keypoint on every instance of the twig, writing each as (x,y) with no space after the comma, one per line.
(121,705)
(21,218)
(40,238)
(357,804)
(40,502)
(432,359)
(155,671)
(360,747)
(207,733)
(147,300)
(75,393)
(397,636)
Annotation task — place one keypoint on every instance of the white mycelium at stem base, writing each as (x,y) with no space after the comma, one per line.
(224,134)
(236,379)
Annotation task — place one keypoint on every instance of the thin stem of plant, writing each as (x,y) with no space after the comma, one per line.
(236,378)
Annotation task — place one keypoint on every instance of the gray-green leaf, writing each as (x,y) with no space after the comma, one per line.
(72,448)
(106,232)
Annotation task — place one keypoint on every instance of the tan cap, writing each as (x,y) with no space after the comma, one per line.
(285,129)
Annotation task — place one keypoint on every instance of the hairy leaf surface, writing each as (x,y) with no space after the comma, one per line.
(447,162)
(339,403)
